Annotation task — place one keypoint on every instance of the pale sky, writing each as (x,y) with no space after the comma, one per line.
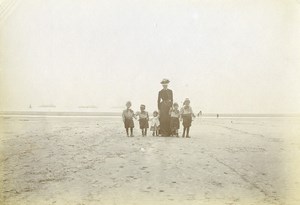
(234,56)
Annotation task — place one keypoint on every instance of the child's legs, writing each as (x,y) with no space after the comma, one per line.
(187,131)
(131,131)
(145,132)
(127,131)
(183,132)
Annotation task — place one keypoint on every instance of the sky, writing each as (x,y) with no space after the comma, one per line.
(225,56)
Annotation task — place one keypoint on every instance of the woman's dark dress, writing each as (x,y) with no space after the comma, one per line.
(165,102)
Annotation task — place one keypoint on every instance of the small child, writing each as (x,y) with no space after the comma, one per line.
(186,114)
(155,124)
(143,119)
(174,123)
(128,116)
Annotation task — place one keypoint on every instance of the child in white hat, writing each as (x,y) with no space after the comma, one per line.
(186,114)
(155,124)
(128,116)
(174,123)
(143,120)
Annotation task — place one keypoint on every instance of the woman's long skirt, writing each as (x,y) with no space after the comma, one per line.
(164,119)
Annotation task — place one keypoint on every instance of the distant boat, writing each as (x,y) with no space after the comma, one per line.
(88,106)
(47,106)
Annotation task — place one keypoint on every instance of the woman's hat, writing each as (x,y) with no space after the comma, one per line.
(165,81)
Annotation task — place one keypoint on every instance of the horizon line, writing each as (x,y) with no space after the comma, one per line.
(100,113)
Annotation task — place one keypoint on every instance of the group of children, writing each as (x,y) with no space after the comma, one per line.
(185,114)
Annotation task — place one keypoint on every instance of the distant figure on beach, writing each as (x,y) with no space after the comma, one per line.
(175,115)
(143,120)
(128,116)
(164,103)
(199,114)
(155,124)
(186,114)
(217,115)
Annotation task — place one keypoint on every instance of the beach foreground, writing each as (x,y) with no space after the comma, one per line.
(78,160)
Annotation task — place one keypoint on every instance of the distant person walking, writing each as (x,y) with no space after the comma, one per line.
(164,103)
(199,114)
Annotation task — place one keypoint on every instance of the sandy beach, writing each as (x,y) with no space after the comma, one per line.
(88,160)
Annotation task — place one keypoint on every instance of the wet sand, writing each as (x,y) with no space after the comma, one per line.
(78,160)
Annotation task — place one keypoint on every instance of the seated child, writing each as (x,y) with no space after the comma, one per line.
(143,119)
(155,124)
(186,114)
(128,116)
(174,123)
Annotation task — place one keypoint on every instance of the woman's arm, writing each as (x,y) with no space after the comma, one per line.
(158,101)
(171,97)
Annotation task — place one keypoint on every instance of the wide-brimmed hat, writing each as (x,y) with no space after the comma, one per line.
(165,81)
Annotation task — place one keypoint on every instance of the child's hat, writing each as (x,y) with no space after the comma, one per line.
(186,100)
(165,81)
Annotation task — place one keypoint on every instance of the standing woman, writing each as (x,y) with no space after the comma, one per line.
(164,103)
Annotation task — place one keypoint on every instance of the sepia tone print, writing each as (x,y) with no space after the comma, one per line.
(173,102)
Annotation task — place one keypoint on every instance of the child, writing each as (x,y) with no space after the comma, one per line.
(143,119)
(186,114)
(128,116)
(174,123)
(155,124)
